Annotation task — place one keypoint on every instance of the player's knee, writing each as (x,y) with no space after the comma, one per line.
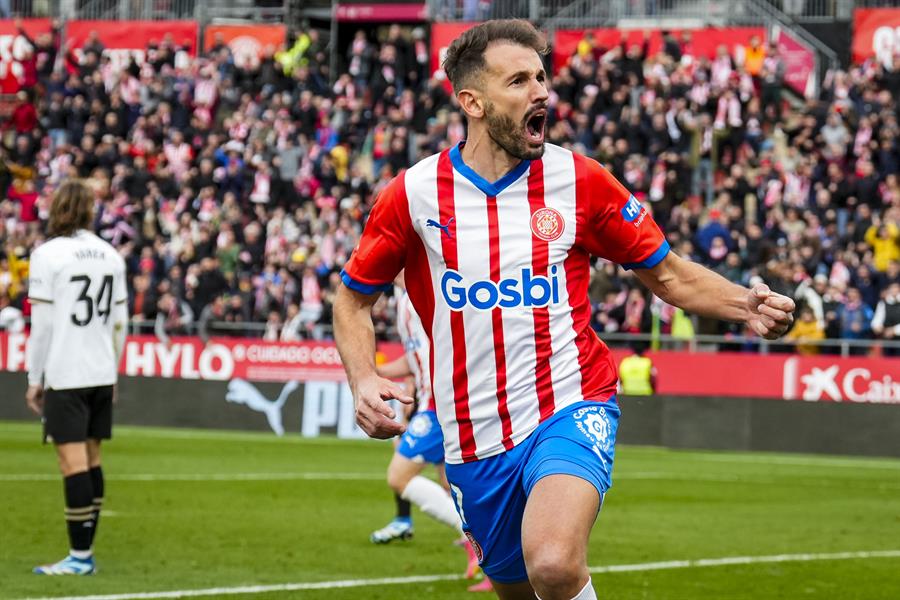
(72,458)
(555,569)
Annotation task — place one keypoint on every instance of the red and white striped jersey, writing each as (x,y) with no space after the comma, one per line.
(498,273)
(416,345)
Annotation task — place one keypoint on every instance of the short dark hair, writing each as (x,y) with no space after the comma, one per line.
(72,208)
(465,56)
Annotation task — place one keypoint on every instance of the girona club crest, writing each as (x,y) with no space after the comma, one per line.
(479,554)
(547,224)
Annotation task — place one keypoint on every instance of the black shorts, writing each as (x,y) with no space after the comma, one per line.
(78,414)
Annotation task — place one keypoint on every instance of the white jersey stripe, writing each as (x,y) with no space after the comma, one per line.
(472,232)
(559,166)
(518,323)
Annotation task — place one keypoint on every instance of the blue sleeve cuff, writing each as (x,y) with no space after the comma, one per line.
(652,260)
(363,288)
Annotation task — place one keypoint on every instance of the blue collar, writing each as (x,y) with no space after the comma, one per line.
(490,189)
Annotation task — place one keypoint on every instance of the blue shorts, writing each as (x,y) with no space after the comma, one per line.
(490,494)
(423,440)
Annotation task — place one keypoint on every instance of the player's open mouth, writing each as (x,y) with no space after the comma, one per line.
(534,126)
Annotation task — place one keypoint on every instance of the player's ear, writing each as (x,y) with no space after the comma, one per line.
(471,103)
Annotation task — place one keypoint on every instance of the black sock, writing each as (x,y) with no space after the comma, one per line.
(79,510)
(97,481)
(403,507)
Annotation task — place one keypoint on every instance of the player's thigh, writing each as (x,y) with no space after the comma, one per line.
(73,458)
(559,515)
(568,471)
(401,470)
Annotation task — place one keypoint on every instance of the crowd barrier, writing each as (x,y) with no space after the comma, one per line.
(869,380)
(325,408)
(705,400)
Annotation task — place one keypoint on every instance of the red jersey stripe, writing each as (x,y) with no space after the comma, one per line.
(447,215)
(592,352)
(497,323)
(540,253)
(418,285)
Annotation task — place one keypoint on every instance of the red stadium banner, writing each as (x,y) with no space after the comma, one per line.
(13,48)
(221,360)
(126,39)
(247,42)
(777,376)
(704,41)
(442,35)
(376,12)
(799,62)
(724,374)
(876,34)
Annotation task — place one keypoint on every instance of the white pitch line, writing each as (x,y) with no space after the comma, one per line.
(742,560)
(209,477)
(11,477)
(634,476)
(351,583)
(800,461)
(748,479)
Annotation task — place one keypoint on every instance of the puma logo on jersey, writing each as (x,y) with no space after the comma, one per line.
(443,228)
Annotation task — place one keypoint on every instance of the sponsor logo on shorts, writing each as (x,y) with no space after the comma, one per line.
(479,554)
(419,426)
(594,422)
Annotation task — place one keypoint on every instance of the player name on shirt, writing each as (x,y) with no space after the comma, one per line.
(89,254)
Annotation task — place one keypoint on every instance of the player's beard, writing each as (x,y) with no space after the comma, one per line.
(509,135)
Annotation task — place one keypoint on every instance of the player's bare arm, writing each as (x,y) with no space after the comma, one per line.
(698,290)
(354,334)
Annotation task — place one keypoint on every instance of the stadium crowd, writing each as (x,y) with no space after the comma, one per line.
(237,192)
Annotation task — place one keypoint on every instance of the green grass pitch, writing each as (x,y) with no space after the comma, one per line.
(194,510)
